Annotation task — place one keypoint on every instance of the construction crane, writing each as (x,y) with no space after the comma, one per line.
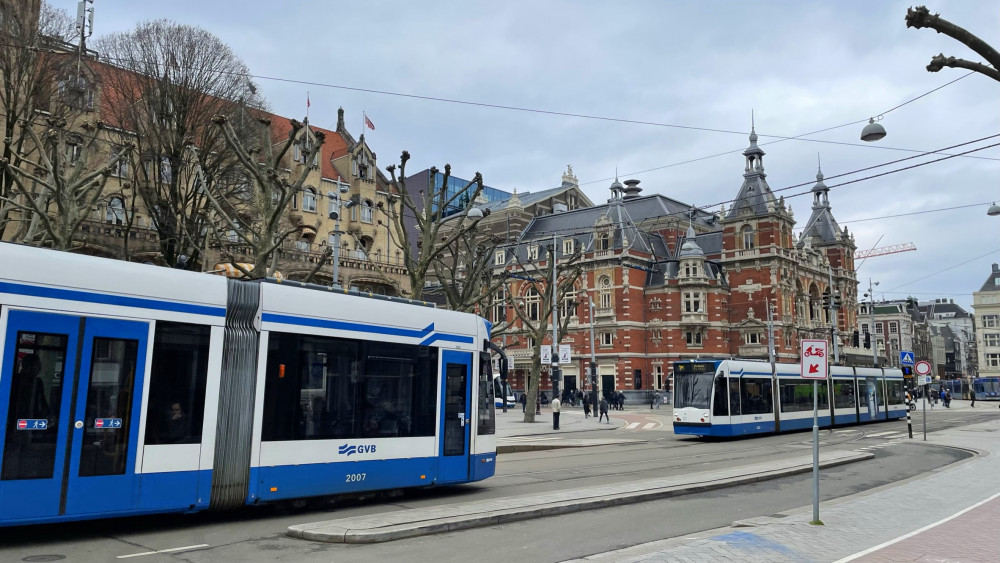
(883,250)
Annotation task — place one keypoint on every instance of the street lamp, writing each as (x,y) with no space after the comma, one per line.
(873,131)
(994,210)
(871,311)
(592,376)
(336,205)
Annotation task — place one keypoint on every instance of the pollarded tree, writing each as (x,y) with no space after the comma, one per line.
(166,83)
(27,73)
(54,187)
(253,206)
(920,17)
(534,304)
(426,207)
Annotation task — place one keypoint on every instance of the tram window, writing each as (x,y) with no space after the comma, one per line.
(797,396)
(895,392)
(755,396)
(176,404)
(843,395)
(109,395)
(35,393)
(721,405)
(487,413)
(324,388)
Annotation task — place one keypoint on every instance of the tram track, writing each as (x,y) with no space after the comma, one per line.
(586,463)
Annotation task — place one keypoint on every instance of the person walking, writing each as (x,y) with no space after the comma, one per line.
(523,399)
(556,406)
(972,397)
(586,406)
(604,411)
(657,399)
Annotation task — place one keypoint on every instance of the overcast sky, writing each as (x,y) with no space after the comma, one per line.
(798,66)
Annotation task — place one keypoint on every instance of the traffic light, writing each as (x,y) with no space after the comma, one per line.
(593,373)
(907,371)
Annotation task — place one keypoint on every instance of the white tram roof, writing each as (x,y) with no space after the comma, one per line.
(52,276)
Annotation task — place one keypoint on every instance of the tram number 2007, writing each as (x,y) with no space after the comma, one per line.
(355,477)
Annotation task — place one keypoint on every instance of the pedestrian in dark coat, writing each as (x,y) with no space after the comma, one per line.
(586,407)
(523,399)
(972,397)
(604,411)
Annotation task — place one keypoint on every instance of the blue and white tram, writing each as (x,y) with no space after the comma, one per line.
(735,398)
(130,389)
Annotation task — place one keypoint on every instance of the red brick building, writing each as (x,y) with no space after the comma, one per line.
(671,282)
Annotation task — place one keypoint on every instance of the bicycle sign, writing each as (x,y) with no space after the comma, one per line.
(813,359)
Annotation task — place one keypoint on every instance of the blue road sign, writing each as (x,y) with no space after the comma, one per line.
(906,358)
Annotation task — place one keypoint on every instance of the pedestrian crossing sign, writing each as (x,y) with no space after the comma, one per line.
(906,358)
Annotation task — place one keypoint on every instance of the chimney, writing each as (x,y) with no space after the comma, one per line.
(996,267)
(632,189)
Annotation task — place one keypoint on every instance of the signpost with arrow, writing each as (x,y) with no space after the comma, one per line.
(814,365)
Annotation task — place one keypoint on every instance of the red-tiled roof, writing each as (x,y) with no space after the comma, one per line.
(116,82)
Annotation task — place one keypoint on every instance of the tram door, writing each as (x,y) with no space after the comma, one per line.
(871,384)
(72,389)
(454,460)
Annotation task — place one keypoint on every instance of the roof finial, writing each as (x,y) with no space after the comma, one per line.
(819,168)
(753,129)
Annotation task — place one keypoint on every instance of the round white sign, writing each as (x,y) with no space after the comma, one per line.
(922,368)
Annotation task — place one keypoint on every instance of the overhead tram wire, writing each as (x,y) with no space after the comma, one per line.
(706,208)
(778,138)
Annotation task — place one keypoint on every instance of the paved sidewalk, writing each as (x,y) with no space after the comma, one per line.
(938,517)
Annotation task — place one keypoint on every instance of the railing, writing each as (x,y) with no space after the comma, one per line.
(109,236)
(604,311)
(698,317)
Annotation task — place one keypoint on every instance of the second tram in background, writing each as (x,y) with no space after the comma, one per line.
(735,398)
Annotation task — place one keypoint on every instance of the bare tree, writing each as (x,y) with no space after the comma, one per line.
(27,73)
(427,207)
(255,212)
(533,308)
(465,270)
(920,17)
(56,189)
(168,82)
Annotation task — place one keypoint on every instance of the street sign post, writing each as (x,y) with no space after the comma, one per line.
(923,371)
(813,354)
(813,359)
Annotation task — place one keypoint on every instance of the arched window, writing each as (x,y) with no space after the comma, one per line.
(605,288)
(366,211)
(604,242)
(116,211)
(531,303)
(749,242)
(309,200)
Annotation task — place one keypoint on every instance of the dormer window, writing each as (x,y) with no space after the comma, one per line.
(567,247)
(749,240)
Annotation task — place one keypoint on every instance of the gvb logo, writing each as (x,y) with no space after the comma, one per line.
(346,449)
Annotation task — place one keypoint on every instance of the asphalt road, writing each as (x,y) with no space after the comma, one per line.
(258,534)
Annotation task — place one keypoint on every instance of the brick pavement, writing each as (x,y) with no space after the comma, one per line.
(902,521)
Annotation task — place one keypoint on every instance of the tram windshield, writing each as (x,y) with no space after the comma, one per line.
(693,388)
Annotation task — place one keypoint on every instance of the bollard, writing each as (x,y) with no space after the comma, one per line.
(909,422)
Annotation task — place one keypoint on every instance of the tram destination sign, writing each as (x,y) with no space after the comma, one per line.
(813,358)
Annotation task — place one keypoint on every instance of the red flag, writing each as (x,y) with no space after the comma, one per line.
(368,122)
